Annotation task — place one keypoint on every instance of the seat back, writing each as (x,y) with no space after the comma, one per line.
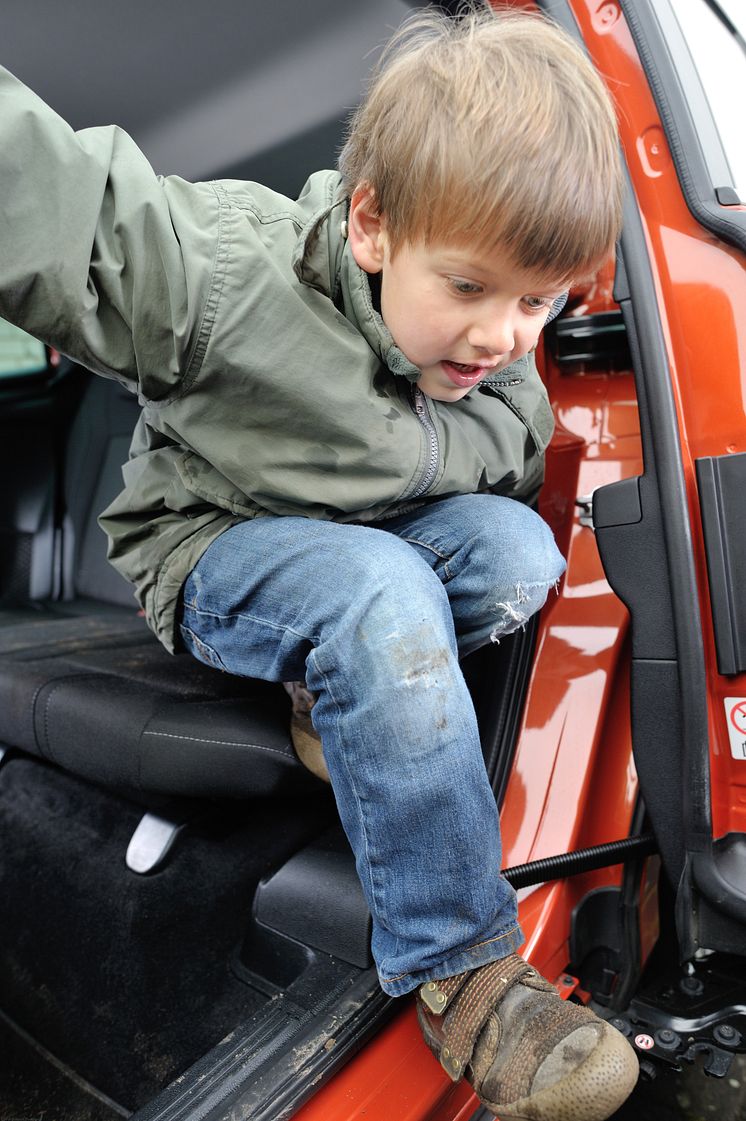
(97,446)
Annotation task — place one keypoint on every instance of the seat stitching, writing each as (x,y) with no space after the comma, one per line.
(170,735)
(47,701)
(42,747)
(223,743)
(58,683)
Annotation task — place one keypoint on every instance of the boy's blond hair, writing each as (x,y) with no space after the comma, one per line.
(491,130)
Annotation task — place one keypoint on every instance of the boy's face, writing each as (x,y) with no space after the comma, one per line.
(457,313)
(460,315)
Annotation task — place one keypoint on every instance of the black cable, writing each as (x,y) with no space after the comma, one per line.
(582,860)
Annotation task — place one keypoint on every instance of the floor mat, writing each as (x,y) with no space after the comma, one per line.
(128,979)
(33,1084)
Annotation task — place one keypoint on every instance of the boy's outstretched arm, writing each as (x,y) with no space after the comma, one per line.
(99,256)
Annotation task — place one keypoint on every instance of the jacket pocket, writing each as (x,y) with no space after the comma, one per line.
(205,481)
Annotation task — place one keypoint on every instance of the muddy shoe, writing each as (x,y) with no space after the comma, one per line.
(306,740)
(527,1053)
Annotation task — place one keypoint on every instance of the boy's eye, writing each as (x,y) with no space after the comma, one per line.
(536,303)
(464,287)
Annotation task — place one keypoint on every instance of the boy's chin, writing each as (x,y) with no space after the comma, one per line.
(437,391)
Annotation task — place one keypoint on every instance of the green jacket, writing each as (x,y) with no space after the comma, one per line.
(268,382)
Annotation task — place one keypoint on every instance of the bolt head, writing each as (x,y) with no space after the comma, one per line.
(726,1033)
(667,1038)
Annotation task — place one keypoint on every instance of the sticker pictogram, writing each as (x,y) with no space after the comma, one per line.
(644,1042)
(735,715)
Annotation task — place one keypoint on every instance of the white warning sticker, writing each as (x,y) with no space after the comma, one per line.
(735,715)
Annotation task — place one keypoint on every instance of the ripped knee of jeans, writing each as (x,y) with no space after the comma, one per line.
(513,613)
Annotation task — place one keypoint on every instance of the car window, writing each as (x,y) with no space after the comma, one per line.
(715,35)
(19,353)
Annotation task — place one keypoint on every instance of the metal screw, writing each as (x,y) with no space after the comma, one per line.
(692,986)
(726,1033)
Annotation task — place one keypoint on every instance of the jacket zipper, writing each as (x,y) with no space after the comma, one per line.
(427,478)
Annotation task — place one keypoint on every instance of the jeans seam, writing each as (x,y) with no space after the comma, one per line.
(361,815)
(466,950)
(213,658)
(426,545)
(252,619)
(445,557)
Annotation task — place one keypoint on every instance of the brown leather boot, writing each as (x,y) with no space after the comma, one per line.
(306,740)
(528,1054)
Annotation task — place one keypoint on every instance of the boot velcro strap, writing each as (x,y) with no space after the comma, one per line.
(437,995)
(476,999)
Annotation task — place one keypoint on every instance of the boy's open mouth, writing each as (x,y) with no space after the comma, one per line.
(463,375)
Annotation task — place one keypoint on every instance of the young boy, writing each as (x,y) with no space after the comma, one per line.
(342,430)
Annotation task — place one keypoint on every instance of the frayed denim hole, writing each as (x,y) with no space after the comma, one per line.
(513,615)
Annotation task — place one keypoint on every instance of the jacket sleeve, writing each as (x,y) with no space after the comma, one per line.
(99,256)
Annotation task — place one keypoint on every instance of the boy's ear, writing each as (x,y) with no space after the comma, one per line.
(366,230)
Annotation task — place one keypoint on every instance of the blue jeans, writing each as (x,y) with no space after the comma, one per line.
(375,619)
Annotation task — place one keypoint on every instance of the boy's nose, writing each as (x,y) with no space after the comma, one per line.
(495,335)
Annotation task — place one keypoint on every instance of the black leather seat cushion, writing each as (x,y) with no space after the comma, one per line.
(85,685)
(99,696)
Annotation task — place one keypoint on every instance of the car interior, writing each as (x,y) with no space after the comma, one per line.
(180,906)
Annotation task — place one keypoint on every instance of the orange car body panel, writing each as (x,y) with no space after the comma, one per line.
(701,285)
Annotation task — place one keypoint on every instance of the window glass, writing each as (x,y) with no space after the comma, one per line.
(19,353)
(721,64)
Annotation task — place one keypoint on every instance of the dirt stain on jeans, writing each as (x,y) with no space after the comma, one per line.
(423,673)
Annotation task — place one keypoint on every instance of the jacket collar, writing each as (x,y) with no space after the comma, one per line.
(359,309)
(316,255)
(323,260)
